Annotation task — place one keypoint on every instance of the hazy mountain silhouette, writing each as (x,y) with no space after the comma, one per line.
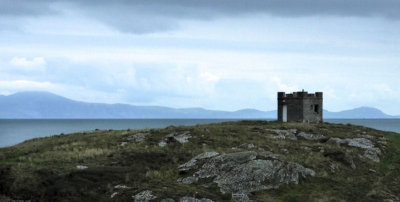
(48,105)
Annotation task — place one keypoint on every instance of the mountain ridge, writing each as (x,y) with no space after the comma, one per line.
(41,105)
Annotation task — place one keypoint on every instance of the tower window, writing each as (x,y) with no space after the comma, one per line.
(316,108)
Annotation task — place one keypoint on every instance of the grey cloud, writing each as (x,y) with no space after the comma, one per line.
(144,16)
(21,8)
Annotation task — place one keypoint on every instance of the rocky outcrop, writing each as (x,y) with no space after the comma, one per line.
(370,151)
(284,134)
(309,136)
(188,165)
(354,142)
(114,194)
(373,154)
(120,186)
(242,172)
(138,137)
(181,137)
(342,158)
(144,196)
(81,167)
(240,197)
(294,134)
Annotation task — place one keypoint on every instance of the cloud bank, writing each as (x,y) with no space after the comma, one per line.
(137,16)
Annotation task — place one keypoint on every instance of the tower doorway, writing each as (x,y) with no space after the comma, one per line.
(284,113)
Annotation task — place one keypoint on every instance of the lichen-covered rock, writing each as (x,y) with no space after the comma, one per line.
(120,186)
(337,141)
(293,134)
(193,161)
(373,154)
(309,136)
(244,172)
(239,197)
(114,194)
(370,151)
(283,134)
(162,143)
(81,167)
(138,137)
(341,157)
(247,146)
(181,137)
(354,142)
(144,196)
(333,167)
(360,142)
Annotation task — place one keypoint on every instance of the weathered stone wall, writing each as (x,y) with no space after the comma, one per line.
(295,110)
(301,106)
(281,102)
(312,110)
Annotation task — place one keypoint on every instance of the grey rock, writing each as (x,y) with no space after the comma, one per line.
(337,141)
(392,198)
(240,197)
(309,136)
(181,137)
(138,137)
(293,134)
(188,180)
(194,160)
(123,143)
(367,136)
(81,167)
(353,142)
(121,187)
(371,152)
(283,134)
(247,146)
(144,196)
(333,167)
(113,194)
(382,141)
(285,151)
(341,157)
(162,143)
(206,155)
(360,142)
(244,172)
(270,156)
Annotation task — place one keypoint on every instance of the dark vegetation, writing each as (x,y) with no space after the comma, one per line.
(45,169)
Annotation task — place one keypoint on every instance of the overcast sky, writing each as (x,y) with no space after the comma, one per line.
(225,54)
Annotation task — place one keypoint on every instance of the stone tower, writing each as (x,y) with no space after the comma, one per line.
(300,107)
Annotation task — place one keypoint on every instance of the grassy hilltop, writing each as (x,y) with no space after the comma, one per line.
(245,160)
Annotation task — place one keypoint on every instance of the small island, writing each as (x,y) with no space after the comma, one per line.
(230,161)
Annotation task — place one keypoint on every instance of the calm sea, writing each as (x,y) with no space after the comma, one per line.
(16,131)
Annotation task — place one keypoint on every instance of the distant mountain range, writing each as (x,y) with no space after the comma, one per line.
(44,105)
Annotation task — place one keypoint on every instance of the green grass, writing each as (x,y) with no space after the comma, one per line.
(45,168)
